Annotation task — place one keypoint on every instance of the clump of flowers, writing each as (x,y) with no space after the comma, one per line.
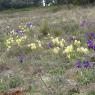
(56,50)
(84,64)
(32,46)
(29,25)
(68,49)
(9,42)
(77,43)
(39,44)
(90,35)
(18,36)
(82,50)
(58,42)
(19,40)
(90,40)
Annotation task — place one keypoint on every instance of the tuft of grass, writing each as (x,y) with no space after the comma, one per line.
(44,28)
(57,32)
(15,82)
(85,76)
(2,86)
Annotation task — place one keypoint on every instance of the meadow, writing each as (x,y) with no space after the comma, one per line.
(47,51)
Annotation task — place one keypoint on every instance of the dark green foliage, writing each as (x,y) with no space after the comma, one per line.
(5,4)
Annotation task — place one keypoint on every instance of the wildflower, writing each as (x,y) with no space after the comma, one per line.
(68,49)
(56,50)
(61,44)
(93,47)
(8,47)
(48,35)
(62,40)
(78,64)
(77,43)
(69,56)
(19,26)
(18,41)
(49,45)
(39,43)
(32,46)
(55,41)
(90,35)
(86,64)
(29,25)
(24,37)
(9,42)
(21,33)
(90,44)
(82,50)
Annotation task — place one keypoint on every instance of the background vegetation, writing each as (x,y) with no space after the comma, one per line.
(5,4)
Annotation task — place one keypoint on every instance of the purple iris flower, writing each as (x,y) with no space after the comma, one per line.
(21,58)
(29,25)
(19,32)
(78,64)
(90,44)
(86,64)
(92,34)
(49,45)
(93,47)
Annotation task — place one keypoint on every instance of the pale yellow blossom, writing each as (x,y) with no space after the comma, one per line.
(77,43)
(32,46)
(82,50)
(56,50)
(68,49)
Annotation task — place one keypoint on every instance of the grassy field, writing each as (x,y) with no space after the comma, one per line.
(47,51)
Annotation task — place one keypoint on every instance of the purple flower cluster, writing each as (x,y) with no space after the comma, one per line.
(84,64)
(90,44)
(90,40)
(19,32)
(49,45)
(90,35)
(29,25)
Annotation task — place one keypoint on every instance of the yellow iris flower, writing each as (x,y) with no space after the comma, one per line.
(56,50)
(68,49)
